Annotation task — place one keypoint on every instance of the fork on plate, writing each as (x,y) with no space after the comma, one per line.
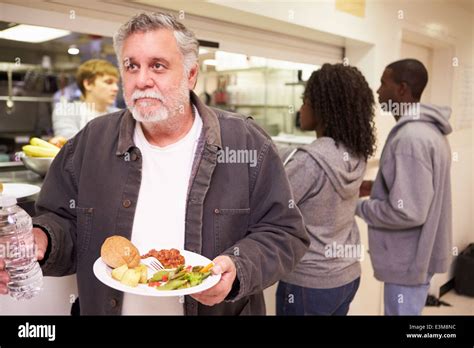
(154,264)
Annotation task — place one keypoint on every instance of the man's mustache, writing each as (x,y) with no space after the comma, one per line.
(147,94)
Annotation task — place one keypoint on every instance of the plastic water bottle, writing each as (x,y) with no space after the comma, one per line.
(17,248)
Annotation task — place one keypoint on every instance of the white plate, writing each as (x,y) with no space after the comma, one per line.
(104,274)
(20,190)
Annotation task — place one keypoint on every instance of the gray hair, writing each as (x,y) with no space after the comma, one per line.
(144,22)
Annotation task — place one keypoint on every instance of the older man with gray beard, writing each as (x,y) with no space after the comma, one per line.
(151,174)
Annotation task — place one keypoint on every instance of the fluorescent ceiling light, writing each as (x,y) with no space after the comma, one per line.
(203,51)
(231,61)
(32,33)
(212,62)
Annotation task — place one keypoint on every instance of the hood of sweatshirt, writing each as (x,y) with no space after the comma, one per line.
(437,115)
(345,171)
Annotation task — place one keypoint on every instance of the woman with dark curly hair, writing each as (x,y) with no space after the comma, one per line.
(325,177)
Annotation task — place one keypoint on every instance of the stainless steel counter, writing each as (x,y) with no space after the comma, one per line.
(24,176)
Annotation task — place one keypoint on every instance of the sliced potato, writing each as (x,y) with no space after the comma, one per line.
(131,277)
(119,272)
(143,273)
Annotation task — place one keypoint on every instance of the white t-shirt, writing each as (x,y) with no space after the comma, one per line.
(161,208)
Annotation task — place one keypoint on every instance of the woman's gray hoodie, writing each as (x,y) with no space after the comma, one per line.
(325,181)
(409,210)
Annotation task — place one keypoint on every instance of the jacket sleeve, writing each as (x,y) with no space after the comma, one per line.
(409,199)
(276,238)
(55,208)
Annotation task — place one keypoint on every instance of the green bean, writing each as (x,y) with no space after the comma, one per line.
(197,268)
(178,275)
(172,284)
(158,276)
(181,278)
(184,286)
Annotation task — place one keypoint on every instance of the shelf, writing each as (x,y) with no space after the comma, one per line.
(250,69)
(290,139)
(6,66)
(28,99)
(11,166)
(299,83)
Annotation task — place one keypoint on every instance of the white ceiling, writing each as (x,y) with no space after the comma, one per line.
(120,10)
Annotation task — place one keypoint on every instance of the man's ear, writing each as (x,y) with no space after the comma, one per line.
(404,90)
(193,75)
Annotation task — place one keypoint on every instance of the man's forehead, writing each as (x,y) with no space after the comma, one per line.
(386,75)
(151,45)
(157,36)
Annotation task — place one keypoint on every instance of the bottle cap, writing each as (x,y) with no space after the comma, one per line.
(7,201)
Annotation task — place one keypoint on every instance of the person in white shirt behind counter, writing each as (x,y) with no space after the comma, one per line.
(98,81)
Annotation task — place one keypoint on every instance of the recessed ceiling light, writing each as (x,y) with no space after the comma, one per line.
(32,33)
(73,50)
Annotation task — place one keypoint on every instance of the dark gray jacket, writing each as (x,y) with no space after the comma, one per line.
(235,209)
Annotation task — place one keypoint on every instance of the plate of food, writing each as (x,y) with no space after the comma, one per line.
(180,272)
(19,190)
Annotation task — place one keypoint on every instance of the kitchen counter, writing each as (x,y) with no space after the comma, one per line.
(291,139)
(24,176)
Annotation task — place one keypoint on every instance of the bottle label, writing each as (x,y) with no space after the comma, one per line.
(18,250)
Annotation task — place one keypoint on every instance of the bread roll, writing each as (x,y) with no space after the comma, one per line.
(117,251)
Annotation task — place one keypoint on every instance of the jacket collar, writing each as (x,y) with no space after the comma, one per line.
(210,128)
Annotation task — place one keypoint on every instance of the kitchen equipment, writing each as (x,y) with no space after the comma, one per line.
(38,165)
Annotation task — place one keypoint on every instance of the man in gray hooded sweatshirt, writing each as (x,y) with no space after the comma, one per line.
(409,210)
